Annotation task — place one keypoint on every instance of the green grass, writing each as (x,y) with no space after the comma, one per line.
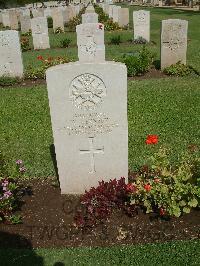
(174,253)
(168,107)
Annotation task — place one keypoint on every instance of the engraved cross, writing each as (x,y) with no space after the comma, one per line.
(92,151)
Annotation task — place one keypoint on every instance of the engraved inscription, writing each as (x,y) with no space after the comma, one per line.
(89,48)
(92,151)
(91,125)
(174,37)
(87,90)
(141,19)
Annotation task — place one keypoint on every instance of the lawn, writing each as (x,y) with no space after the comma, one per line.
(168,107)
(174,253)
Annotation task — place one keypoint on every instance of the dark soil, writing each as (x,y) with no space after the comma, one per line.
(48,222)
(153,73)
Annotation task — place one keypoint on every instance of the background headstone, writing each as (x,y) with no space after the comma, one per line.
(25,24)
(13,20)
(123,20)
(10,54)
(90,41)
(141,22)
(90,16)
(40,35)
(58,21)
(6,19)
(173,42)
(115,13)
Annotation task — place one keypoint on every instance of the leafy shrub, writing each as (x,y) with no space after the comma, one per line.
(178,69)
(40,71)
(140,40)
(98,203)
(65,42)
(115,40)
(26,34)
(8,81)
(138,63)
(109,25)
(103,18)
(58,30)
(72,23)
(50,22)
(10,192)
(166,189)
(25,45)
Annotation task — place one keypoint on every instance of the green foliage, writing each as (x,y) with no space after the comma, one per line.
(170,190)
(25,45)
(178,69)
(50,22)
(45,63)
(109,25)
(65,43)
(103,18)
(72,23)
(138,63)
(26,34)
(116,40)
(8,81)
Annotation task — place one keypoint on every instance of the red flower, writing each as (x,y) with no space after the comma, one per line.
(40,57)
(162,212)
(152,139)
(130,188)
(147,187)
(100,26)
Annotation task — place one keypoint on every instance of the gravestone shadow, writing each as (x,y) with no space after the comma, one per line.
(53,157)
(17,250)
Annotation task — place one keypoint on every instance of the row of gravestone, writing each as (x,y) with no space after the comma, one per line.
(61,15)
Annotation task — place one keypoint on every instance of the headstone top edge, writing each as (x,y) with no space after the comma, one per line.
(77,63)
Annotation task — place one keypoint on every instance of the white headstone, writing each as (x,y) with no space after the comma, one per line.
(88,106)
(6,18)
(173,42)
(141,22)
(123,20)
(10,54)
(37,13)
(25,24)
(40,35)
(90,41)
(115,13)
(58,21)
(13,20)
(89,18)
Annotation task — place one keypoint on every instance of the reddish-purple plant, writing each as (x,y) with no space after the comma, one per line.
(98,203)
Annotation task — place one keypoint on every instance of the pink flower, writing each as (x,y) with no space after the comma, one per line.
(7,194)
(5,183)
(22,169)
(157,180)
(18,162)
